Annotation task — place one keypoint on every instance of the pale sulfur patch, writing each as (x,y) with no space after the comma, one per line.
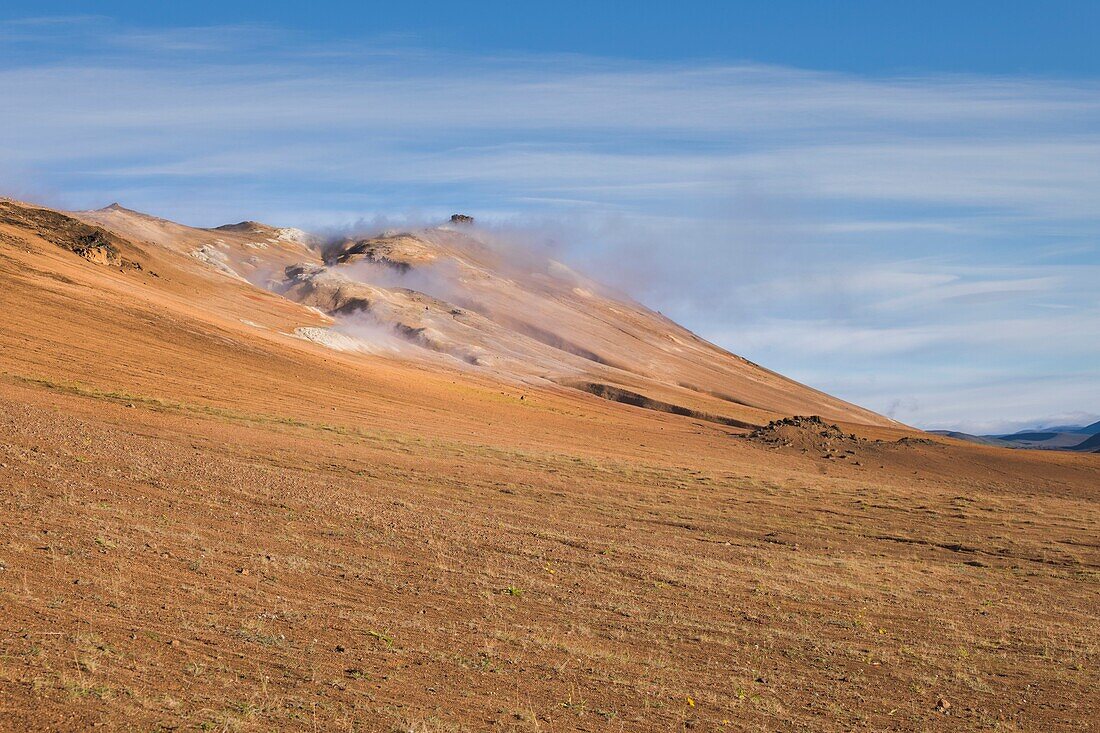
(291,234)
(361,339)
(216,259)
(329,338)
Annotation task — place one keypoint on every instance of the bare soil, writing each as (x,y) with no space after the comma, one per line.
(209,525)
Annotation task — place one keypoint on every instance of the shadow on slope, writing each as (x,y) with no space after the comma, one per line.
(626,397)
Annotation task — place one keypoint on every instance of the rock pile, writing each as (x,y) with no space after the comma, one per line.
(808,433)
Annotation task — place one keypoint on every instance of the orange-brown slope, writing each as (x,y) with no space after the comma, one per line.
(172,331)
(208,525)
(462,300)
(248,250)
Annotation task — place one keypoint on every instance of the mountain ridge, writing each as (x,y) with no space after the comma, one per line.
(462,295)
(1064,437)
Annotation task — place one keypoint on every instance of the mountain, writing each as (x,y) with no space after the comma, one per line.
(1092,443)
(979,439)
(1092,429)
(461,298)
(248,250)
(426,481)
(1036,440)
(1043,439)
(1060,437)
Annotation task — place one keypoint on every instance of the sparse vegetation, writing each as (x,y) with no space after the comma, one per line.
(644,570)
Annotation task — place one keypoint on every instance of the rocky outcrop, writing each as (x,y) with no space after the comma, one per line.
(400,251)
(90,242)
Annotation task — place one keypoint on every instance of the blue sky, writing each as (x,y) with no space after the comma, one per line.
(896,204)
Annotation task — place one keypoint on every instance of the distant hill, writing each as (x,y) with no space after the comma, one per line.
(1063,437)
(981,439)
(1033,437)
(1081,429)
(1043,439)
(1091,443)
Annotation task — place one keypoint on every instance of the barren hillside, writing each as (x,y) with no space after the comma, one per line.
(456,292)
(252,482)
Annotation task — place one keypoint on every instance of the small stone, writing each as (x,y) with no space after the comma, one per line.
(942,705)
(174,642)
(340,649)
(242,571)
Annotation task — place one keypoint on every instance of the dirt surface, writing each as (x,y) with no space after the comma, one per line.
(207,524)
